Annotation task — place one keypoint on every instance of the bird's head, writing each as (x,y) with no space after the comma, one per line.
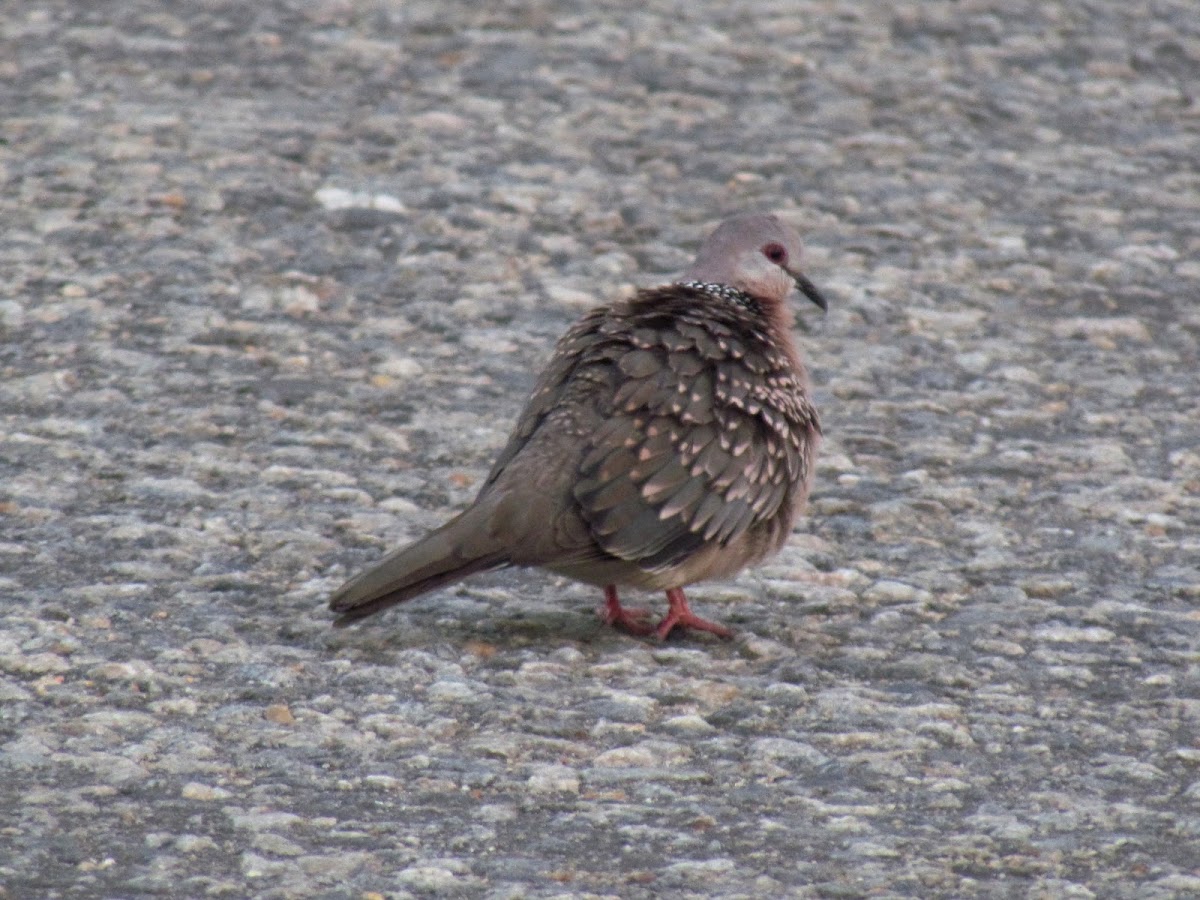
(757,254)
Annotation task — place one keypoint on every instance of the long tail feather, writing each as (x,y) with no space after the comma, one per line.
(440,558)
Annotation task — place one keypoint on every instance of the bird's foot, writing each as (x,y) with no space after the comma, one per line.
(681,616)
(630,619)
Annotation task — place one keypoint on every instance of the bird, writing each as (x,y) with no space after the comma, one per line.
(671,439)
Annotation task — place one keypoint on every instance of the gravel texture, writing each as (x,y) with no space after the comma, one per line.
(276,278)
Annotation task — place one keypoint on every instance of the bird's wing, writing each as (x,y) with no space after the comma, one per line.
(701,440)
(648,437)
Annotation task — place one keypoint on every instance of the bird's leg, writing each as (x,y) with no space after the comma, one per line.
(632,620)
(680,615)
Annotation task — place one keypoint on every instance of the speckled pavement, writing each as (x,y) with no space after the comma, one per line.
(274,281)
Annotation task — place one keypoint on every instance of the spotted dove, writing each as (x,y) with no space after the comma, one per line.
(671,439)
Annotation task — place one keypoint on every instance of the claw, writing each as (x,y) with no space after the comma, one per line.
(680,615)
(633,620)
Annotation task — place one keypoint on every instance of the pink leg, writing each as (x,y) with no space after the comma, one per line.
(632,620)
(680,615)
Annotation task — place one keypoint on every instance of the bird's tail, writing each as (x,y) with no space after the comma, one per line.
(442,557)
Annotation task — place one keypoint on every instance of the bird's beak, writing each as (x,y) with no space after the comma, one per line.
(809,289)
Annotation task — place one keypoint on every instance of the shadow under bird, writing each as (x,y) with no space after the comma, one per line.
(670,440)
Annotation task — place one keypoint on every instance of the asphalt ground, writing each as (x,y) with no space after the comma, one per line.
(275,279)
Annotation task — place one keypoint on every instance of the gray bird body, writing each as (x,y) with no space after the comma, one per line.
(670,440)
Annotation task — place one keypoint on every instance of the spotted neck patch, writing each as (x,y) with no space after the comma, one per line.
(724,292)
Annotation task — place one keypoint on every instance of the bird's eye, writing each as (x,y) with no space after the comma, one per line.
(776,253)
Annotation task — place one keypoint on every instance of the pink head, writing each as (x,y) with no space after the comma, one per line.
(758,254)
